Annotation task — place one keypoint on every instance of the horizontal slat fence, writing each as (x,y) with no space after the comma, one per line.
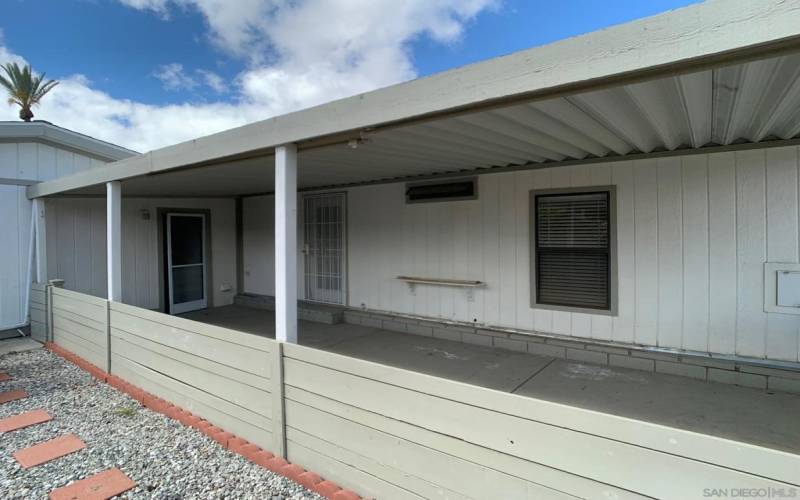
(394,433)
(400,434)
(38,311)
(80,324)
(221,374)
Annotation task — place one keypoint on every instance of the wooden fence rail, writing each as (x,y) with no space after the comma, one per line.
(394,433)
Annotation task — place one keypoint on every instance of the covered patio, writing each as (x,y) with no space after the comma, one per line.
(715,409)
(446,354)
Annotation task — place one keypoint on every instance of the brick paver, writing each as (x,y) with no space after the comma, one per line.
(101,486)
(7,396)
(4,377)
(24,420)
(49,450)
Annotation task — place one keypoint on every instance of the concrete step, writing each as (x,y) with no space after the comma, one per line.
(307,311)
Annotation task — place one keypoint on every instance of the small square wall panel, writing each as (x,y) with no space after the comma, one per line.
(782,288)
(788,288)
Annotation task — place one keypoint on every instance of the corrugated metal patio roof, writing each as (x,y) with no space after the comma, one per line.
(717,73)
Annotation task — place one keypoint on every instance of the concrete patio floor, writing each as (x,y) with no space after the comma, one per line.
(742,414)
(19,344)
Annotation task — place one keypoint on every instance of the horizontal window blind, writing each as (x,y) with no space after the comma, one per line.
(573,249)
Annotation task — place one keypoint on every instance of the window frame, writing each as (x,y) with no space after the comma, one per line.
(612,248)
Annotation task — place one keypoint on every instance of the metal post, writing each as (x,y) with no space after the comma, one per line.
(48,335)
(286,243)
(278,402)
(40,225)
(108,336)
(114,239)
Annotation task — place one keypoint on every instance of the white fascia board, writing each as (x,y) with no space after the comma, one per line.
(691,38)
(61,137)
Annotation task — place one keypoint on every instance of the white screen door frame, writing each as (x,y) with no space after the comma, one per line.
(195,291)
(325,247)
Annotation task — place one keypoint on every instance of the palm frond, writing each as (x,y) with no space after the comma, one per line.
(24,87)
(9,86)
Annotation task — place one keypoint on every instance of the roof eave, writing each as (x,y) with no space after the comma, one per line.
(45,132)
(688,39)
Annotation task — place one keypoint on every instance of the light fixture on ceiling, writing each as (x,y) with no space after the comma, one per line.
(355,143)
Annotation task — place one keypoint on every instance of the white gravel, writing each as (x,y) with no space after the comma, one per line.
(166,459)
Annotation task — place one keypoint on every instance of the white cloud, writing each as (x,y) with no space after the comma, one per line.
(174,77)
(299,53)
(159,6)
(212,80)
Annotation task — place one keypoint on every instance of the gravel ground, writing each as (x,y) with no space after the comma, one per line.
(164,458)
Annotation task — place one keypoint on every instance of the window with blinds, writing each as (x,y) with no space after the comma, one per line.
(573,249)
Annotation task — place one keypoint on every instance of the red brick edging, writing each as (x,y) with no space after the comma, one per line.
(233,443)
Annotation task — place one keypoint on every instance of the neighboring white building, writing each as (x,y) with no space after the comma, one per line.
(30,153)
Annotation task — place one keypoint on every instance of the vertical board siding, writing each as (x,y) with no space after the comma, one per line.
(12,271)
(76,242)
(722,247)
(670,253)
(646,248)
(782,242)
(693,233)
(695,253)
(258,236)
(26,161)
(751,242)
(622,328)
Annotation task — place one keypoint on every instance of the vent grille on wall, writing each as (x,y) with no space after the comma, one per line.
(462,189)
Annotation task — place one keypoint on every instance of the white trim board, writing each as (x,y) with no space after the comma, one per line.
(4,181)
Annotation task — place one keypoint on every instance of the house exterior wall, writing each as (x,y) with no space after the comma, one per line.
(693,235)
(258,245)
(25,161)
(76,246)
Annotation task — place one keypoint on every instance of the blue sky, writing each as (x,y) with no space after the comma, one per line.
(127,60)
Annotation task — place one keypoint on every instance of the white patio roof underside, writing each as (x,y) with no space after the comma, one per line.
(743,103)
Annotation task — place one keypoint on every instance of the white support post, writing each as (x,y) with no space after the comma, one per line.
(286,243)
(114,239)
(40,227)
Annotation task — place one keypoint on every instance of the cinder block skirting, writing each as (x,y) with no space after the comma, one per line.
(735,371)
(308,311)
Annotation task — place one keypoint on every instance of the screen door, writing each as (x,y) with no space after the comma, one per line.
(186,262)
(324,231)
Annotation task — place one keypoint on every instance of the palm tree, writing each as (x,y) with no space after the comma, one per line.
(24,88)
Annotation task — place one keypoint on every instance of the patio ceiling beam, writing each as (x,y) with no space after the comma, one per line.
(681,41)
(286,243)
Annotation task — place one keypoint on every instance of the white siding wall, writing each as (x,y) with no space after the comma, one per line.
(26,161)
(258,245)
(693,235)
(76,246)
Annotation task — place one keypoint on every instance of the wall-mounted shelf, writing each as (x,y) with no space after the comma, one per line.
(468,285)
